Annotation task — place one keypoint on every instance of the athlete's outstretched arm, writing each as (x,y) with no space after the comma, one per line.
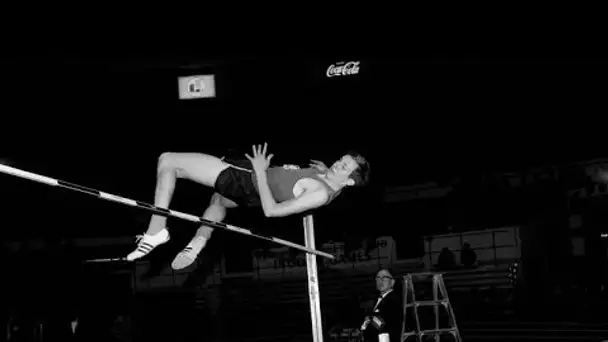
(306,201)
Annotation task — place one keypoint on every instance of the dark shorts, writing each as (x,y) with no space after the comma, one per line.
(237,184)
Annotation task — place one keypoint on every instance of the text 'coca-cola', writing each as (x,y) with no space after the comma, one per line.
(343,69)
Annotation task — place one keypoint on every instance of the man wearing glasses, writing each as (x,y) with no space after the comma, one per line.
(384,323)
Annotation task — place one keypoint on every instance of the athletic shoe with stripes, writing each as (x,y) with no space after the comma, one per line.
(146,243)
(189,254)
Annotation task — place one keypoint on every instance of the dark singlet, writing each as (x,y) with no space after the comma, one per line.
(281,181)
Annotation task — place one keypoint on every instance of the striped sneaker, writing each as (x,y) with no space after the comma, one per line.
(189,254)
(146,243)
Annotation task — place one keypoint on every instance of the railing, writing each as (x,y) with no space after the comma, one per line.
(482,277)
(490,246)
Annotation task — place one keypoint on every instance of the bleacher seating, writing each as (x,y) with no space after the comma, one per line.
(286,303)
(482,277)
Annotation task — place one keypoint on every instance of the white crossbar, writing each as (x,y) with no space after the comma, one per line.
(160,211)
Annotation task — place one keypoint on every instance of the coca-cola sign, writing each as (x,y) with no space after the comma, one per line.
(343,69)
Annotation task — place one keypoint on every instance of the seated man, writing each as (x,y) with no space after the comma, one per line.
(384,322)
(279,191)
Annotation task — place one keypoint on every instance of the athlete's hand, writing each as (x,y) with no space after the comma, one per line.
(259,161)
(319,165)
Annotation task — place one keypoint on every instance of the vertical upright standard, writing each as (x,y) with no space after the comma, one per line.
(313,280)
(440,299)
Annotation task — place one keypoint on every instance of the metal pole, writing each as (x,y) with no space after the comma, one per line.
(313,280)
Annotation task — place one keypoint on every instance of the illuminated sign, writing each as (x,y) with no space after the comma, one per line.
(343,69)
(196,87)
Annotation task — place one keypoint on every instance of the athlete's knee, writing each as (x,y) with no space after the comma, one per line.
(165,160)
(217,201)
(221,201)
(168,162)
(216,211)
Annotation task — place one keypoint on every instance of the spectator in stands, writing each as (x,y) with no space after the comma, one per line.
(121,328)
(468,257)
(383,324)
(446,260)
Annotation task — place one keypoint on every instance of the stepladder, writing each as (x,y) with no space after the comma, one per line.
(428,314)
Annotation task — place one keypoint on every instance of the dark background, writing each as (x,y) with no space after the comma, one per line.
(96,106)
(103,124)
(430,104)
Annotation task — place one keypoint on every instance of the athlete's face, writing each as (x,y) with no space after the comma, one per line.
(340,170)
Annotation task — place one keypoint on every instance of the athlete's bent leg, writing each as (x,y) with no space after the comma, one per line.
(216,211)
(197,167)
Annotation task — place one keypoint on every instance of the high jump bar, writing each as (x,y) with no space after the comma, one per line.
(160,211)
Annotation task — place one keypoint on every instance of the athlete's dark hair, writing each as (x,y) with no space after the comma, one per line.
(361,173)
